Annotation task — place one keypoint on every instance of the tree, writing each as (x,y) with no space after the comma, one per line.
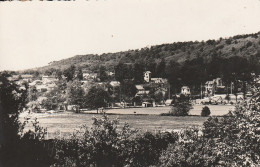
(181,107)
(160,69)
(120,72)
(205,111)
(18,148)
(69,73)
(227,98)
(32,94)
(156,95)
(75,93)
(54,99)
(79,74)
(108,143)
(128,90)
(150,66)
(36,74)
(173,75)
(138,72)
(11,104)
(102,75)
(96,98)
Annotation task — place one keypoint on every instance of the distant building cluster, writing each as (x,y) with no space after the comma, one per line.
(152,92)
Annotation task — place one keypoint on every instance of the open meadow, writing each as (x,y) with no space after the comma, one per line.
(144,118)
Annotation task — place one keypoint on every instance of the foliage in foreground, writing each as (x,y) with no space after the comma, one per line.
(232,140)
(17,147)
(108,144)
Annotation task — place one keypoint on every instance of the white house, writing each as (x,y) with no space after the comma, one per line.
(141,91)
(47,79)
(211,86)
(86,75)
(159,80)
(115,83)
(147,76)
(35,82)
(27,77)
(185,90)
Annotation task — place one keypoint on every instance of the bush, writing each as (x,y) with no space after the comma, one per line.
(232,140)
(180,108)
(190,151)
(105,144)
(205,111)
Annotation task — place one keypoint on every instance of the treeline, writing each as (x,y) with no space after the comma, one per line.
(192,73)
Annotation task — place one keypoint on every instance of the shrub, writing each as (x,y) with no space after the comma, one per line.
(105,144)
(190,151)
(205,111)
(232,140)
(180,108)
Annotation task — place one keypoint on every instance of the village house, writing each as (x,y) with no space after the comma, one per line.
(159,80)
(25,77)
(185,90)
(147,76)
(41,88)
(35,82)
(111,74)
(45,87)
(212,86)
(85,75)
(48,79)
(115,83)
(141,91)
(149,79)
(13,78)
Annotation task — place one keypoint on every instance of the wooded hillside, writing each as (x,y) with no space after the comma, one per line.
(241,45)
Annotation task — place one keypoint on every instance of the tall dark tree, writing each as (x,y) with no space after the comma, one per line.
(18,148)
(174,78)
(120,72)
(160,69)
(96,98)
(55,99)
(138,72)
(12,101)
(58,74)
(102,75)
(75,93)
(151,66)
(32,94)
(128,90)
(79,74)
(69,73)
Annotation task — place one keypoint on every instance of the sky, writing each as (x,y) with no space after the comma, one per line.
(32,34)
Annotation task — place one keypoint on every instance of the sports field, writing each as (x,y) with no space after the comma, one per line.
(141,118)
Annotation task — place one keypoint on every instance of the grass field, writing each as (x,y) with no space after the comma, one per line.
(144,119)
(216,110)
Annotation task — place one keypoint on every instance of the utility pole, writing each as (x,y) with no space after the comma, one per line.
(200,90)
(231,88)
(169,91)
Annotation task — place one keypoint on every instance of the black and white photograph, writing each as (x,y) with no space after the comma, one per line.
(130,83)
